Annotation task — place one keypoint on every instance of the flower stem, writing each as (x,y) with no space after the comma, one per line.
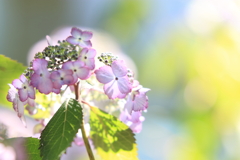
(87,145)
(85,138)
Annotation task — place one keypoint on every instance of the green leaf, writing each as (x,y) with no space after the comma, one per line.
(32,145)
(61,130)
(9,70)
(112,138)
(25,148)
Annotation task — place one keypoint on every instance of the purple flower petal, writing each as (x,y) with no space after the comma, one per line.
(124,85)
(61,77)
(83,73)
(31,102)
(72,40)
(42,82)
(45,86)
(129,105)
(78,64)
(85,44)
(86,35)
(55,79)
(17,83)
(57,91)
(119,68)
(104,74)
(11,93)
(34,80)
(23,79)
(39,65)
(23,95)
(75,32)
(31,92)
(90,63)
(140,102)
(112,91)
(91,53)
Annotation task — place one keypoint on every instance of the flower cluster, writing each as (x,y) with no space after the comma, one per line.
(73,61)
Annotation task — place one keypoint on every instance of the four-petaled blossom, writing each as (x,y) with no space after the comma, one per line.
(78,69)
(41,77)
(115,80)
(25,90)
(61,77)
(87,57)
(137,100)
(133,120)
(81,38)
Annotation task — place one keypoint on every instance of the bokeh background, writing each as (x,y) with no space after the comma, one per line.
(186,51)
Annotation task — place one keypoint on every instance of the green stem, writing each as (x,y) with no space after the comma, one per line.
(85,138)
(86,142)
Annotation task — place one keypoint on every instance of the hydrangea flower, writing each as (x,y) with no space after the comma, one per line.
(133,120)
(61,77)
(25,90)
(87,57)
(78,69)
(81,38)
(41,77)
(115,80)
(137,100)
(18,105)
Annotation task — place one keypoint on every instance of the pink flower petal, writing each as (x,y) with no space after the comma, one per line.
(68,80)
(75,32)
(78,64)
(140,102)
(124,85)
(31,102)
(85,44)
(119,68)
(67,65)
(31,92)
(23,78)
(91,53)
(72,40)
(23,95)
(39,65)
(57,91)
(17,83)
(129,105)
(111,90)
(55,79)
(34,80)
(45,86)
(90,63)
(86,35)
(11,93)
(104,74)
(83,73)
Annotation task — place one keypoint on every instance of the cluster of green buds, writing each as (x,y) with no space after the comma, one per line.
(56,56)
(107,58)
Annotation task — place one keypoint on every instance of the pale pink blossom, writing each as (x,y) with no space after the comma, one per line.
(25,90)
(81,38)
(41,77)
(87,57)
(78,69)
(137,100)
(115,80)
(61,77)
